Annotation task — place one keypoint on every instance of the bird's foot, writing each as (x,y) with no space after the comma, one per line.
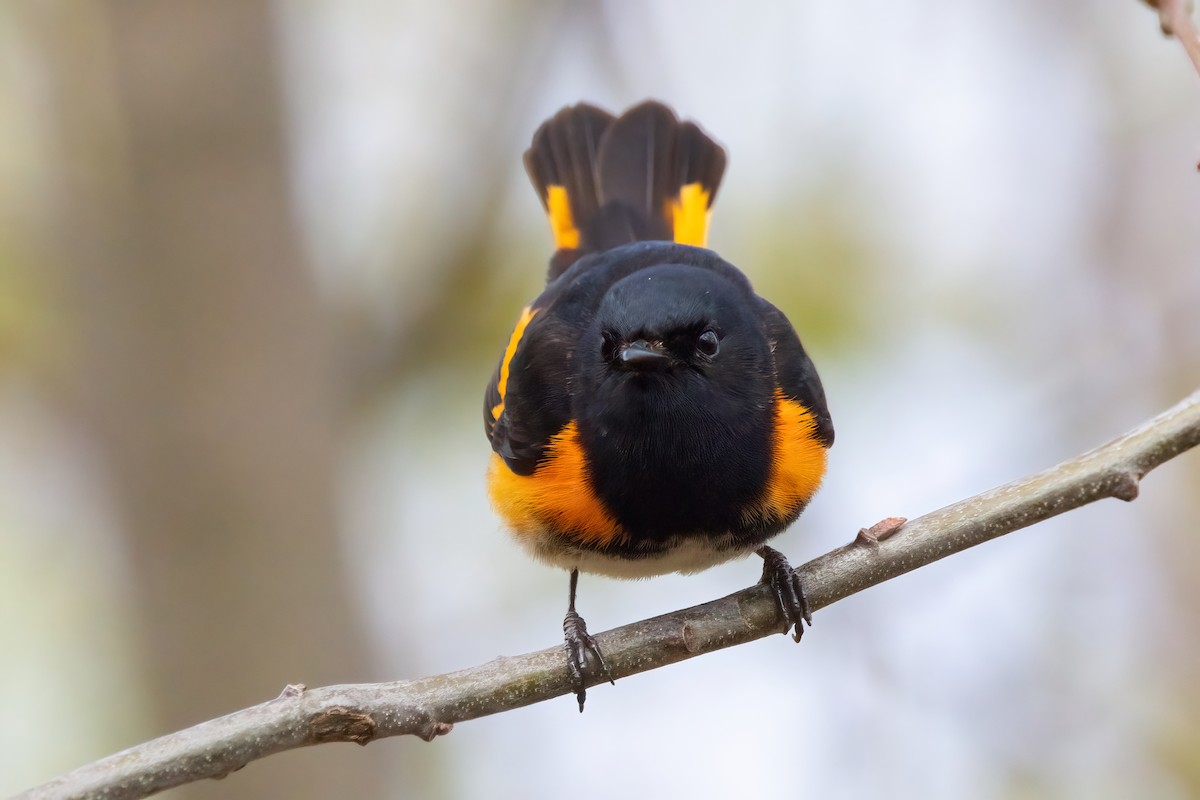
(789,592)
(584,659)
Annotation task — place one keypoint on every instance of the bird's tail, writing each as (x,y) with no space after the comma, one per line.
(607,181)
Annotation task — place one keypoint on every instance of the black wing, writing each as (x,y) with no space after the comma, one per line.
(528,398)
(795,371)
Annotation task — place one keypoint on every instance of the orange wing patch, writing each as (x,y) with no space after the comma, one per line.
(527,314)
(562,222)
(797,463)
(557,496)
(689,215)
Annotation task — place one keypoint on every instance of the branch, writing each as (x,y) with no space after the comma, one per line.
(429,707)
(1175,17)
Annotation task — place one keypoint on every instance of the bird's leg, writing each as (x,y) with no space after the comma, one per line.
(789,593)
(584,659)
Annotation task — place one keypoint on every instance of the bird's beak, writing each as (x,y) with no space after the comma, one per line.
(641,355)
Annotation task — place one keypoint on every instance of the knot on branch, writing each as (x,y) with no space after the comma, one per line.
(340,724)
(432,730)
(1125,486)
(872,536)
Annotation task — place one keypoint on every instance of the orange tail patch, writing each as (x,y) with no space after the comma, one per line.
(606,181)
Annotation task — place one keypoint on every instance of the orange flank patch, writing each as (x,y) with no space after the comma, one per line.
(689,215)
(527,314)
(797,463)
(556,497)
(562,223)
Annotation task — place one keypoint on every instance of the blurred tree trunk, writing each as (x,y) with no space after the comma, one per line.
(205,364)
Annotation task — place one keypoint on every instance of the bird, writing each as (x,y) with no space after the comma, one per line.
(649,414)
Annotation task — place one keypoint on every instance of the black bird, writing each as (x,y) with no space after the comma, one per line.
(650,414)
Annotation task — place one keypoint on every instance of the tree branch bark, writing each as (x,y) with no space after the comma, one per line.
(1175,17)
(429,707)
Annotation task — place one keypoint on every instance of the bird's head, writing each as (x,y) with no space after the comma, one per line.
(678,325)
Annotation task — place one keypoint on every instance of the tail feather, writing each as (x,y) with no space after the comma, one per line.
(607,181)
(699,159)
(636,166)
(561,163)
(700,163)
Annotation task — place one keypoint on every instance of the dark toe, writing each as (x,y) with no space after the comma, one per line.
(585,662)
(788,590)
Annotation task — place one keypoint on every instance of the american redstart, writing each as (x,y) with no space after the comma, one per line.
(650,413)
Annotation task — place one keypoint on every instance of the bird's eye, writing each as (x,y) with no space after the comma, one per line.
(708,344)
(608,347)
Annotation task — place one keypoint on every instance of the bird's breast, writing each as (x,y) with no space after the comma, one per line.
(672,492)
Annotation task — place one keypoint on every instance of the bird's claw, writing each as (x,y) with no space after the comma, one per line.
(789,591)
(584,659)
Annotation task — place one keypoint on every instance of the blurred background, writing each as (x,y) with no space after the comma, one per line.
(258,260)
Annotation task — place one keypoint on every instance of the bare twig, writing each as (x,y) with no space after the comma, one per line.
(1175,17)
(430,706)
